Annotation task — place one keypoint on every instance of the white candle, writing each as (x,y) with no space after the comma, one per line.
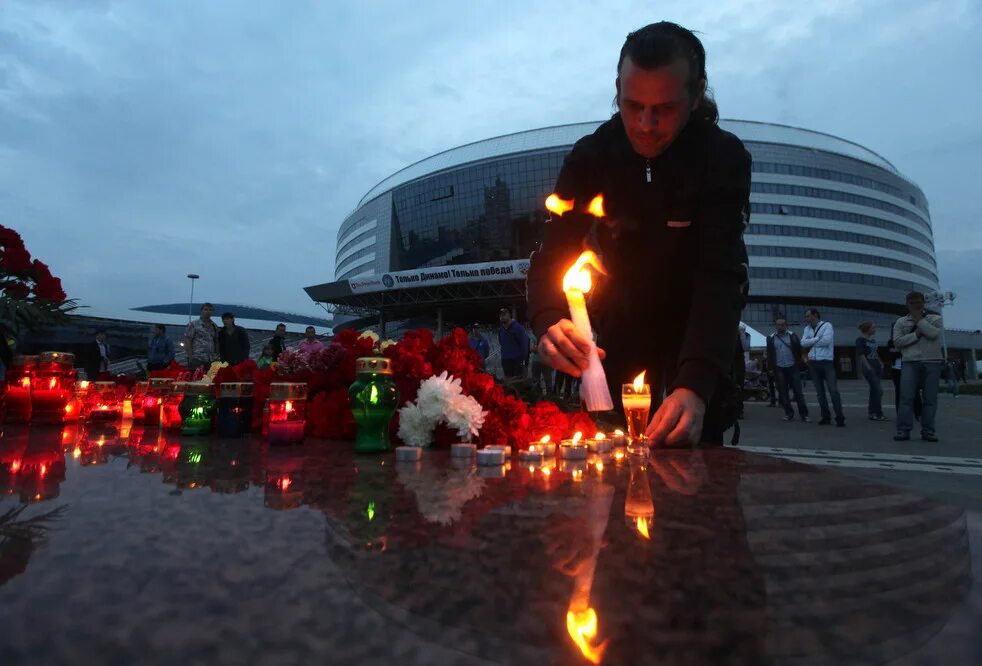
(593,381)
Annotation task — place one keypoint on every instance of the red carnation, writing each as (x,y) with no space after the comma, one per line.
(15,259)
(49,288)
(17,290)
(547,419)
(9,237)
(581,422)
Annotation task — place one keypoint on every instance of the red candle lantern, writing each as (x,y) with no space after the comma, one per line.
(158,388)
(138,401)
(17,400)
(105,403)
(287,411)
(80,401)
(170,415)
(52,389)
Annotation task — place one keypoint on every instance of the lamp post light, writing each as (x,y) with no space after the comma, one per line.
(192,277)
(941,299)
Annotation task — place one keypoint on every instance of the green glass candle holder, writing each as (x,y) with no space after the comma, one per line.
(197,408)
(374,398)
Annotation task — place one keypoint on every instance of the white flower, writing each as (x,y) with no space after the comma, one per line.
(464,414)
(385,344)
(435,394)
(415,428)
(369,334)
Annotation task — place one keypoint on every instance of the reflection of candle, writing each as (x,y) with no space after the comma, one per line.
(581,619)
(285,432)
(599,443)
(639,508)
(576,284)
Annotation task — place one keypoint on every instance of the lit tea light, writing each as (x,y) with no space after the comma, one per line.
(573,449)
(599,443)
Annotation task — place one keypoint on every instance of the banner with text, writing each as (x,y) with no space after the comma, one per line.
(424,277)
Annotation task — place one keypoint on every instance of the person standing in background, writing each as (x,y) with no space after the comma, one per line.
(819,340)
(783,352)
(160,352)
(201,339)
(867,351)
(310,343)
(514,343)
(479,343)
(233,341)
(277,342)
(918,337)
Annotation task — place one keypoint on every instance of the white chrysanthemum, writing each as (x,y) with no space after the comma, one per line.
(369,334)
(385,344)
(415,428)
(435,394)
(464,414)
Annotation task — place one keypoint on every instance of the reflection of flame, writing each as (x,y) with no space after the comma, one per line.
(77,452)
(600,466)
(577,278)
(582,628)
(618,456)
(596,207)
(642,524)
(558,206)
(639,383)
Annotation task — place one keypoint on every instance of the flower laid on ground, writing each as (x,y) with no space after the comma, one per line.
(439,399)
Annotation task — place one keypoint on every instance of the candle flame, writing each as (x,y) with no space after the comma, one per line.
(600,466)
(68,408)
(84,384)
(25,382)
(289,406)
(544,440)
(546,471)
(285,483)
(618,433)
(638,383)
(577,475)
(577,278)
(600,436)
(642,525)
(44,470)
(558,206)
(618,455)
(14,466)
(53,382)
(577,436)
(596,206)
(582,628)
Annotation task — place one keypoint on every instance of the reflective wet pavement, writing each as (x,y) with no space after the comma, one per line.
(229,552)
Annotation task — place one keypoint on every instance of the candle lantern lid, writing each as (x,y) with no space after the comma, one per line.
(198,388)
(141,387)
(235,390)
(24,361)
(160,382)
(288,391)
(100,387)
(177,386)
(64,358)
(375,364)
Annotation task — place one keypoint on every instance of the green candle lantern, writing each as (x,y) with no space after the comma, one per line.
(374,398)
(197,408)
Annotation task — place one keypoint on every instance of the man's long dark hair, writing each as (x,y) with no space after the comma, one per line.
(660,44)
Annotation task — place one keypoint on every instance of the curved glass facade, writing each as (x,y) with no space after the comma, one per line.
(833,224)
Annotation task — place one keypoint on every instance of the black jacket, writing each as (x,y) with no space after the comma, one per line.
(276,342)
(233,348)
(672,244)
(772,350)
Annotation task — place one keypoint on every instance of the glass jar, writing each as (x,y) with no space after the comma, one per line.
(52,388)
(158,388)
(287,412)
(170,409)
(374,398)
(17,399)
(105,403)
(234,409)
(197,409)
(138,400)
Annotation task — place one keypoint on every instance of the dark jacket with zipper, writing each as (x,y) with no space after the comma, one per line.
(672,244)
(772,343)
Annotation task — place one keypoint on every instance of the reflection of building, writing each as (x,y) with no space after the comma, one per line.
(833,225)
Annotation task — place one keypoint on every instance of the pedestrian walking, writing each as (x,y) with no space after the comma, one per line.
(871,367)
(783,353)
(819,340)
(918,337)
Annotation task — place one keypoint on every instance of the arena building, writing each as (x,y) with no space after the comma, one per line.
(833,225)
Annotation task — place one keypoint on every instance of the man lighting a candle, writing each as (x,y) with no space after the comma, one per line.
(675,200)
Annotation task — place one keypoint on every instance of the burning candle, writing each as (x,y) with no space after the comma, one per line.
(636,399)
(533,454)
(197,408)
(170,407)
(287,408)
(137,399)
(545,445)
(576,284)
(52,387)
(158,389)
(599,443)
(234,409)
(17,401)
(572,449)
(105,403)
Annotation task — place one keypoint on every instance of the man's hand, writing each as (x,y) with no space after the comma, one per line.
(678,421)
(563,348)
(917,315)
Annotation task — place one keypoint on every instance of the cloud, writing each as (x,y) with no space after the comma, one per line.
(140,142)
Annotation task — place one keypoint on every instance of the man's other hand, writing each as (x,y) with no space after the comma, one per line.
(678,421)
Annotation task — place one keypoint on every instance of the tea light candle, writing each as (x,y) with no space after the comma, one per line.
(408,454)
(533,454)
(543,446)
(618,438)
(463,450)
(572,449)
(489,457)
(500,447)
(600,443)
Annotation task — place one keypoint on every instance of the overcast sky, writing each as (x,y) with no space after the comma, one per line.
(140,141)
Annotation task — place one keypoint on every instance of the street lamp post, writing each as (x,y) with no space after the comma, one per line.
(192,277)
